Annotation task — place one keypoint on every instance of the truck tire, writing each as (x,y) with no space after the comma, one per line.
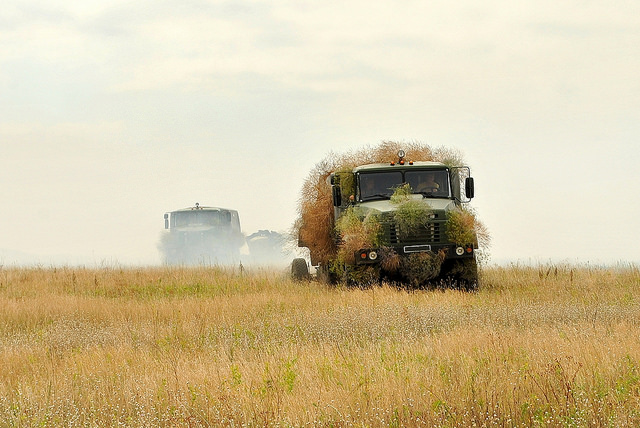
(362,276)
(460,274)
(324,275)
(468,281)
(299,269)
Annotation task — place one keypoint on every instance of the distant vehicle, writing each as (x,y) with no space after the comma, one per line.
(268,247)
(201,235)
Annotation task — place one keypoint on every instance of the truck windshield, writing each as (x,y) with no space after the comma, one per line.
(381,185)
(197,218)
(433,183)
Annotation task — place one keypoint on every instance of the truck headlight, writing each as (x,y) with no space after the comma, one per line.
(459,251)
(373,255)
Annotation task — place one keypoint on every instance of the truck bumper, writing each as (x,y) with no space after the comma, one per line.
(371,256)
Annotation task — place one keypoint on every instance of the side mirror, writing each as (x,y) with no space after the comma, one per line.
(337,196)
(469,190)
(166,221)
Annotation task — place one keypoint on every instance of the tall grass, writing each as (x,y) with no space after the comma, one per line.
(551,345)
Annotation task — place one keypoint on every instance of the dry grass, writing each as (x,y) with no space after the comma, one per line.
(547,346)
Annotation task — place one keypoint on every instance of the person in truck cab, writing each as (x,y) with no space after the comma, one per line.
(368,187)
(428,184)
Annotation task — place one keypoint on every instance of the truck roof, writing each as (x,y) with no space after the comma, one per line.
(406,166)
(200,208)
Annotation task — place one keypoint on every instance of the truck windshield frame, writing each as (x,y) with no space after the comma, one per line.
(432,183)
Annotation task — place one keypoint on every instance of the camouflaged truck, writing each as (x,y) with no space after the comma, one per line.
(422,252)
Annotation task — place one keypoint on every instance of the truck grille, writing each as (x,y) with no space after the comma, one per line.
(431,233)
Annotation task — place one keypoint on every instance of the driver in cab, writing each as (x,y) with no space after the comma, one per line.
(367,187)
(428,184)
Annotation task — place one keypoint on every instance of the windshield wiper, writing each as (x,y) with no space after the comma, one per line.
(433,195)
(376,196)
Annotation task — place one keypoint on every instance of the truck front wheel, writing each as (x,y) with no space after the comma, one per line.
(461,274)
(299,269)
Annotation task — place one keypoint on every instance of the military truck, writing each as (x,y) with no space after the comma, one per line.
(402,221)
(268,247)
(201,235)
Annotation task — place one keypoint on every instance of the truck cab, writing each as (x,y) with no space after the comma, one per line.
(437,189)
(201,235)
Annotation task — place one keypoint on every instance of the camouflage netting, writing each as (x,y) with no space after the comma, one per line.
(330,243)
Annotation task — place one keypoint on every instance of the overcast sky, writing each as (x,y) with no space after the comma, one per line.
(114,112)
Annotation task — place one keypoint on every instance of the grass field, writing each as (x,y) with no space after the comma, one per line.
(552,345)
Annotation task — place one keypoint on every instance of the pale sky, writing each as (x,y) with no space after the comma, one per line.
(114,112)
